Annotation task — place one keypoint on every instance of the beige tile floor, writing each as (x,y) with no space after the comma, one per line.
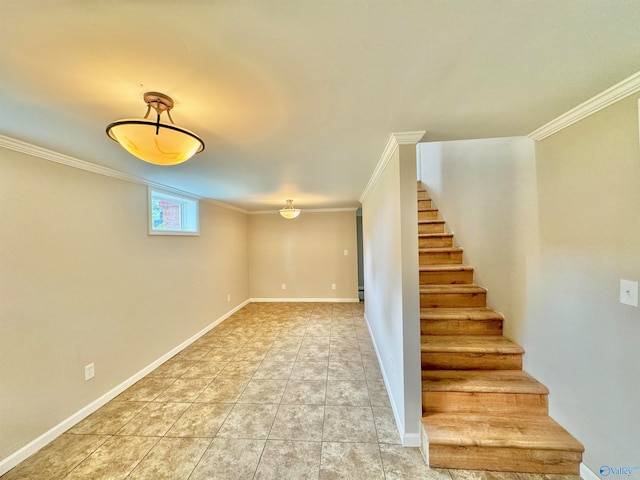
(277,391)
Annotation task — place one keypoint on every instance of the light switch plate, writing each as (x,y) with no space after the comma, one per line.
(629,292)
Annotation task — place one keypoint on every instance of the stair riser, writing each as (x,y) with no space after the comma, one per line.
(446,278)
(461,327)
(471,361)
(435,227)
(440,258)
(452,300)
(484,403)
(505,459)
(435,242)
(422,195)
(428,215)
(424,203)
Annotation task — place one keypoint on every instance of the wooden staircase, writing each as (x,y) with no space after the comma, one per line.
(480,410)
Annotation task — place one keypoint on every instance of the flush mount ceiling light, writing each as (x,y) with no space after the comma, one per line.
(154,141)
(288,211)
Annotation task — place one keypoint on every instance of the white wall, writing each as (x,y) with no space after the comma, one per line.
(389,217)
(486,191)
(584,343)
(551,236)
(306,254)
(81,281)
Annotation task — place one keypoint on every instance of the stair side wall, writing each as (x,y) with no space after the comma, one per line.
(573,205)
(391,285)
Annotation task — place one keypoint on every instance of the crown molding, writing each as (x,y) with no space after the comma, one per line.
(305,210)
(224,205)
(621,90)
(52,156)
(395,140)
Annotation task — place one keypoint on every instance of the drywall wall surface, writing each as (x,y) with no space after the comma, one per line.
(82,282)
(390,252)
(383,279)
(486,191)
(583,341)
(305,254)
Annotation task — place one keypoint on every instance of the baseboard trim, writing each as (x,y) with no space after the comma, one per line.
(424,444)
(399,420)
(411,440)
(305,300)
(43,440)
(408,439)
(587,474)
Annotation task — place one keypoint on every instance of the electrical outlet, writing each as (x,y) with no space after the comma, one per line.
(333,286)
(284,286)
(89,372)
(229,297)
(629,292)
(346,252)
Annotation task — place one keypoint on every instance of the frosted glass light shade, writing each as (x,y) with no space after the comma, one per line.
(157,143)
(288,211)
(289,214)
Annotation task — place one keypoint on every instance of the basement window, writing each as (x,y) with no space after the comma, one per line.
(172,214)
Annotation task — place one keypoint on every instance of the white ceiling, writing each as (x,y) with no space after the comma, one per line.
(297,98)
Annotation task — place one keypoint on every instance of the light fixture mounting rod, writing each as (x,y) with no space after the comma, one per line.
(160,103)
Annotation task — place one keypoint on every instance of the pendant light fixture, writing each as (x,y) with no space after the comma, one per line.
(288,211)
(155,141)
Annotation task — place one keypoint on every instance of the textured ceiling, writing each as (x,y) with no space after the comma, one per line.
(297,98)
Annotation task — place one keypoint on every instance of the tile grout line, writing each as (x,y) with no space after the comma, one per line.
(275,416)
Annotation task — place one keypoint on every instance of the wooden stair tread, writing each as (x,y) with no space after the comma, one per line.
(446,268)
(469,344)
(460,321)
(435,235)
(454,288)
(477,313)
(481,381)
(510,431)
(427,209)
(439,249)
(431,220)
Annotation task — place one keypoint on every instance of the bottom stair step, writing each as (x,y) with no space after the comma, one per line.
(532,444)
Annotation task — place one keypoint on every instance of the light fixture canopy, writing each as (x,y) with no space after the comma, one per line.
(156,142)
(288,211)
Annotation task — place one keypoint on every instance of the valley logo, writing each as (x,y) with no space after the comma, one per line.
(606,470)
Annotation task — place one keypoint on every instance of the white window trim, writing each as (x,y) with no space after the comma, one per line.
(176,196)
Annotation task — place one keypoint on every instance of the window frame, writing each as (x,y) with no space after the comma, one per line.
(193,202)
